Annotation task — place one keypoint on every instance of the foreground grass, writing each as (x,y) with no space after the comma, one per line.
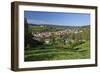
(79,52)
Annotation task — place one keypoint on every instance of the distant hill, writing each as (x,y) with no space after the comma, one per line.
(60,26)
(86,26)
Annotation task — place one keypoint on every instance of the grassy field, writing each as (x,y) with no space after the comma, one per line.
(81,51)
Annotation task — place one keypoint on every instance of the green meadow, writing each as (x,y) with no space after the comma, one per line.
(52,53)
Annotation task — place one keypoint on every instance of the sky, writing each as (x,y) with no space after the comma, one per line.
(57,18)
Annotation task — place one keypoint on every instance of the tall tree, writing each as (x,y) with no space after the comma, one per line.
(26,31)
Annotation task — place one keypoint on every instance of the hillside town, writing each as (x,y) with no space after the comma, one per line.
(61,32)
(46,36)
